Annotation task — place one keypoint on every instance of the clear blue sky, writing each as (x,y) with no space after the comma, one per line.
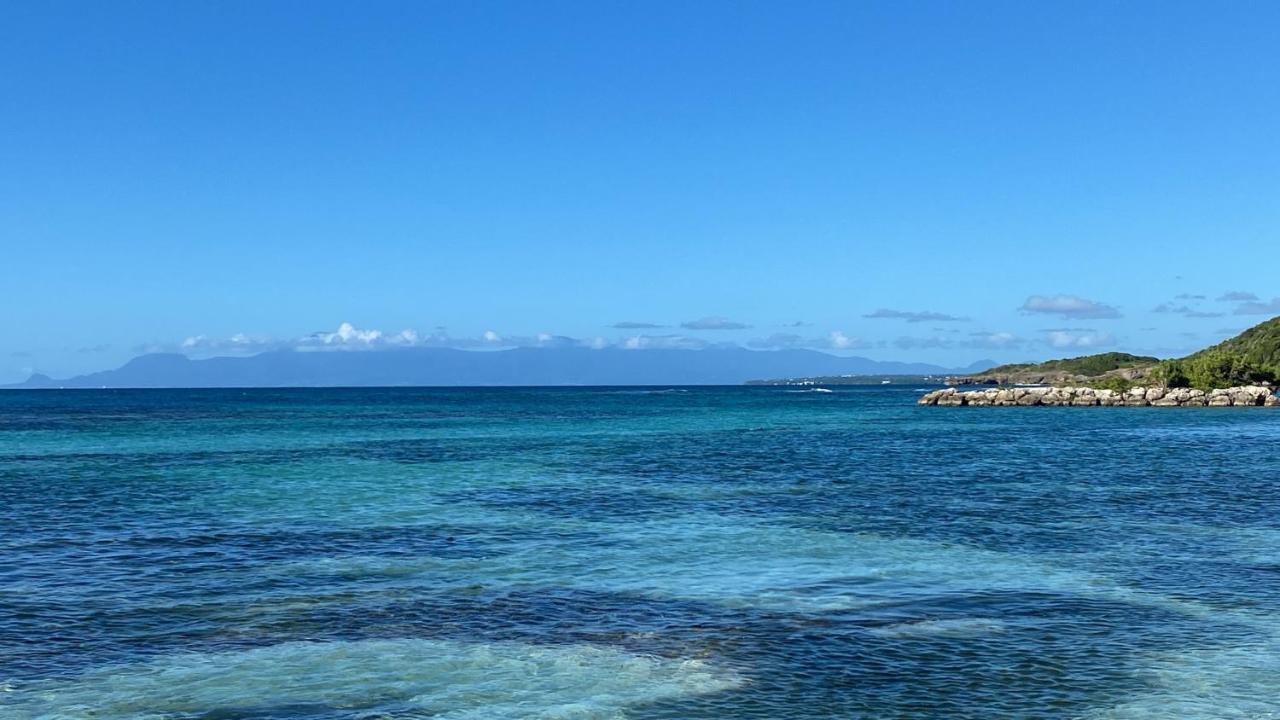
(174,171)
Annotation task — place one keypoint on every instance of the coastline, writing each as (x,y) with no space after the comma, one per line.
(1240,396)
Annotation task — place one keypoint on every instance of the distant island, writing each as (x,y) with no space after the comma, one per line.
(446,367)
(854,380)
(1240,371)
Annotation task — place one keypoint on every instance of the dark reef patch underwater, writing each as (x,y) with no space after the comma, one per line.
(351,554)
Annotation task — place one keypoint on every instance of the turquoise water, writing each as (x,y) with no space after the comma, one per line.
(628,553)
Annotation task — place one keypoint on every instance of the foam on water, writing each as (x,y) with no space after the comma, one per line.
(1238,683)
(780,568)
(966,627)
(738,563)
(439,679)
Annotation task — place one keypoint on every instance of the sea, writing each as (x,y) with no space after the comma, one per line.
(632,553)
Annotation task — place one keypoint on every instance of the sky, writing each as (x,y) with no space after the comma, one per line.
(937,182)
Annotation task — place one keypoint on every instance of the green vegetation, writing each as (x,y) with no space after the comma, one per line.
(1087,365)
(1259,346)
(1212,368)
(1253,356)
(1113,382)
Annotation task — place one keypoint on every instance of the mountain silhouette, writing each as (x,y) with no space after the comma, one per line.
(450,367)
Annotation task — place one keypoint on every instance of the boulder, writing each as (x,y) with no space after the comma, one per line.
(1240,396)
(1243,396)
(935,397)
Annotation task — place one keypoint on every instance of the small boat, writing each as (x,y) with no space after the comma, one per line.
(886,382)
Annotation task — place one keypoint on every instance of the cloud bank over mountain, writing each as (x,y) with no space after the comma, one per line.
(933,335)
(428,366)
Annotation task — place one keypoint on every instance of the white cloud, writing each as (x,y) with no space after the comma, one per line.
(634,325)
(835,340)
(1259,308)
(239,343)
(713,323)
(1184,310)
(1087,339)
(663,342)
(994,340)
(348,334)
(1238,296)
(348,337)
(1069,306)
(404,337)
(914,317)
(839,341)
(976,340)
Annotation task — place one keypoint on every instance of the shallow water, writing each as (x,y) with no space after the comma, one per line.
(629,553)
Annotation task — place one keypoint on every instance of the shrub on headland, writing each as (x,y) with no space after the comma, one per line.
(1113,382)
(1212,369)
(1259,345)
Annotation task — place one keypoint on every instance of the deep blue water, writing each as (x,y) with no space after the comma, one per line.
(632,553)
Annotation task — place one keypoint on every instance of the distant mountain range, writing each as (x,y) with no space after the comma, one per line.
(449,367)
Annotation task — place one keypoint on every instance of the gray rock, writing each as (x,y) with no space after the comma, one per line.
(1243,396)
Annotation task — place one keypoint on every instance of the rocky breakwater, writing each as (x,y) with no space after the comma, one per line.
(1249,395)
